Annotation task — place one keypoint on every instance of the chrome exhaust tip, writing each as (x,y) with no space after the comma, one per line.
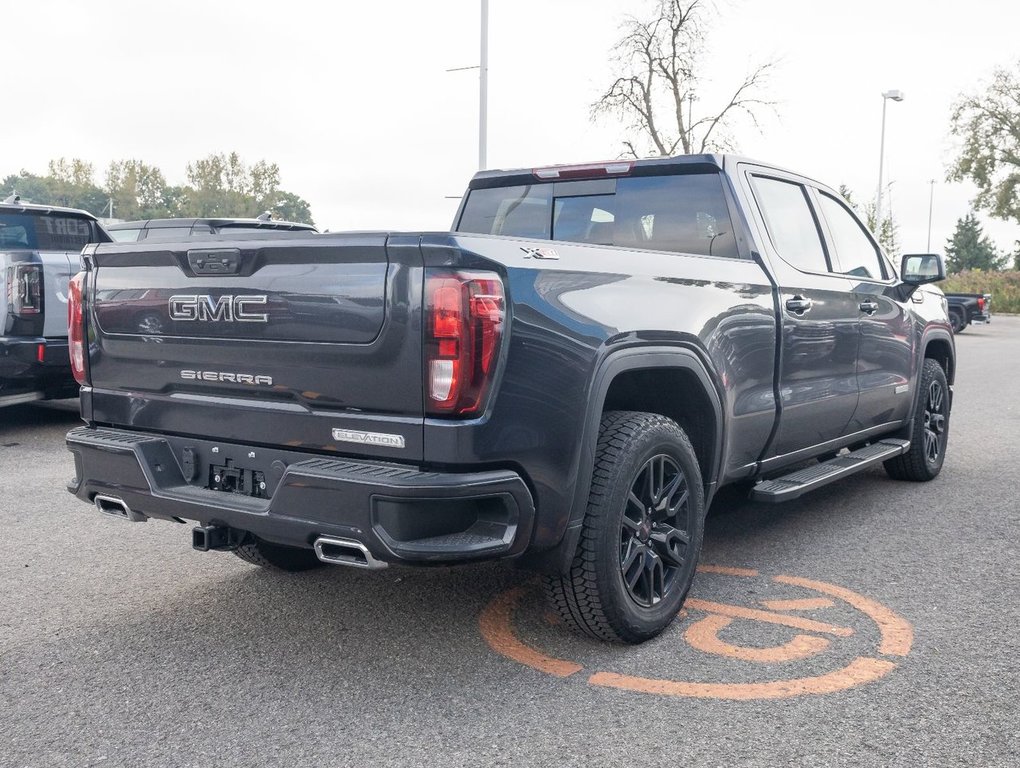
(111,505)
(334,551)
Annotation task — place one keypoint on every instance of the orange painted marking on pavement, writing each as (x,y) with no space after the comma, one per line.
(704,636)
(859,671)
(897,634)
(495,625)
(796,622)
(801,604)
(725,570)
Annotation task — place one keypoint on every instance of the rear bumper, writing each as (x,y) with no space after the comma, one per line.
(399,513)
(35,364)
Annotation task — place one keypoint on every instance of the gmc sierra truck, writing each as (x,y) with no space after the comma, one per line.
(967,308)
(566,378)
(39,247)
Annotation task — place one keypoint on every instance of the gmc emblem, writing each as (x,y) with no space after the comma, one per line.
(226,308)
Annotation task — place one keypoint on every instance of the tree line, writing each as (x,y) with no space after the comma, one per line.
(219,186)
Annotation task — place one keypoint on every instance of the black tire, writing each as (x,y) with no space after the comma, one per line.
(956,321)
(930,436)
(277,557)
(635,450)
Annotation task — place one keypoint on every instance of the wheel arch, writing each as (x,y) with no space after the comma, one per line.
(682,389)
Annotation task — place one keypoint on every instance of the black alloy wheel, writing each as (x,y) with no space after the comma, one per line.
(935,422)
(654,531)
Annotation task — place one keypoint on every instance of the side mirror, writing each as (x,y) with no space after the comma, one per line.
(921,268)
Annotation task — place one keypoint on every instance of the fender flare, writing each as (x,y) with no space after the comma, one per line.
(620,361)
(935,333)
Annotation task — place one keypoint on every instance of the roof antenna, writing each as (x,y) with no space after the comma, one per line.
(15,198)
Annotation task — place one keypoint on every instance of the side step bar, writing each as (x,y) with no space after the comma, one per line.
(798,483)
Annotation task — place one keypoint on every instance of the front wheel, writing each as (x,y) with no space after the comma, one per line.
(930,436)
(641,534)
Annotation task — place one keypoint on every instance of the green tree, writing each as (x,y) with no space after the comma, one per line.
(138,190)
(219,185)
(887,234)
(657,68)
(289,207)
(970,248)
(69,183)
(988,124)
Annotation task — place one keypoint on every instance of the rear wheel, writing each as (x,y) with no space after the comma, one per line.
(641,534)
(930,436)
(277,556)
(956,320)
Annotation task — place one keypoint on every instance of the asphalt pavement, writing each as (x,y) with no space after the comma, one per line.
(872,623)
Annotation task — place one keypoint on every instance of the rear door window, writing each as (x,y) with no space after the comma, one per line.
(791,224)
(679,213)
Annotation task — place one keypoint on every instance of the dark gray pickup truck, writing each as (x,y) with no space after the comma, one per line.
(566,379)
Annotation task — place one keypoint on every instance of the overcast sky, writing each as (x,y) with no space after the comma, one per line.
(353,102)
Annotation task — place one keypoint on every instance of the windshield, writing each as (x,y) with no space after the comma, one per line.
(680,213)
(44,232)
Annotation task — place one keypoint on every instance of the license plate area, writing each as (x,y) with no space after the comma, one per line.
(242,481)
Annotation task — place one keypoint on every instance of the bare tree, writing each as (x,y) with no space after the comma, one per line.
(657,64)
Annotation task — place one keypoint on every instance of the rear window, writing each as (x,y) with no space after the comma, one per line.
(125,235)
(684,214)
(44,232)
(168,234)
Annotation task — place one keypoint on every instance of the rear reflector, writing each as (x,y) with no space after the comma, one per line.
(76,327)
(589,171)
(465,316)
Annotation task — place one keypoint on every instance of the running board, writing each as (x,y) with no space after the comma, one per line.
(798,483)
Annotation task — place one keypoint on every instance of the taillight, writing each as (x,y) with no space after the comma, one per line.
(981,304)
(24,289)
(76,327)
(464,328)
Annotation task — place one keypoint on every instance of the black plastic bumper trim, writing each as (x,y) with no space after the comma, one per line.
(313,496)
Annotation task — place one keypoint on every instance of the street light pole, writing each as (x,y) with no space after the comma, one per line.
(931,205)
(483,88)
(895,96)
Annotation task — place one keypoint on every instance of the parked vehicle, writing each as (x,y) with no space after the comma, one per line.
(967,308)
(39,247)
(566,379)
(176,230)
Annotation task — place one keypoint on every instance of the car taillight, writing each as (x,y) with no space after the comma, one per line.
(76,327)
(464,328)
(981,304)
(24,289)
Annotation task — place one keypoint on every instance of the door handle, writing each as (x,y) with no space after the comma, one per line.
(869,307)
(799,305)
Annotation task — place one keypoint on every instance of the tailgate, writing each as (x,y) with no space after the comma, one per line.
(308,341)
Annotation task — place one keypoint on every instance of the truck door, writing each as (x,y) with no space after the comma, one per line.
(819,318)
(886,349)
